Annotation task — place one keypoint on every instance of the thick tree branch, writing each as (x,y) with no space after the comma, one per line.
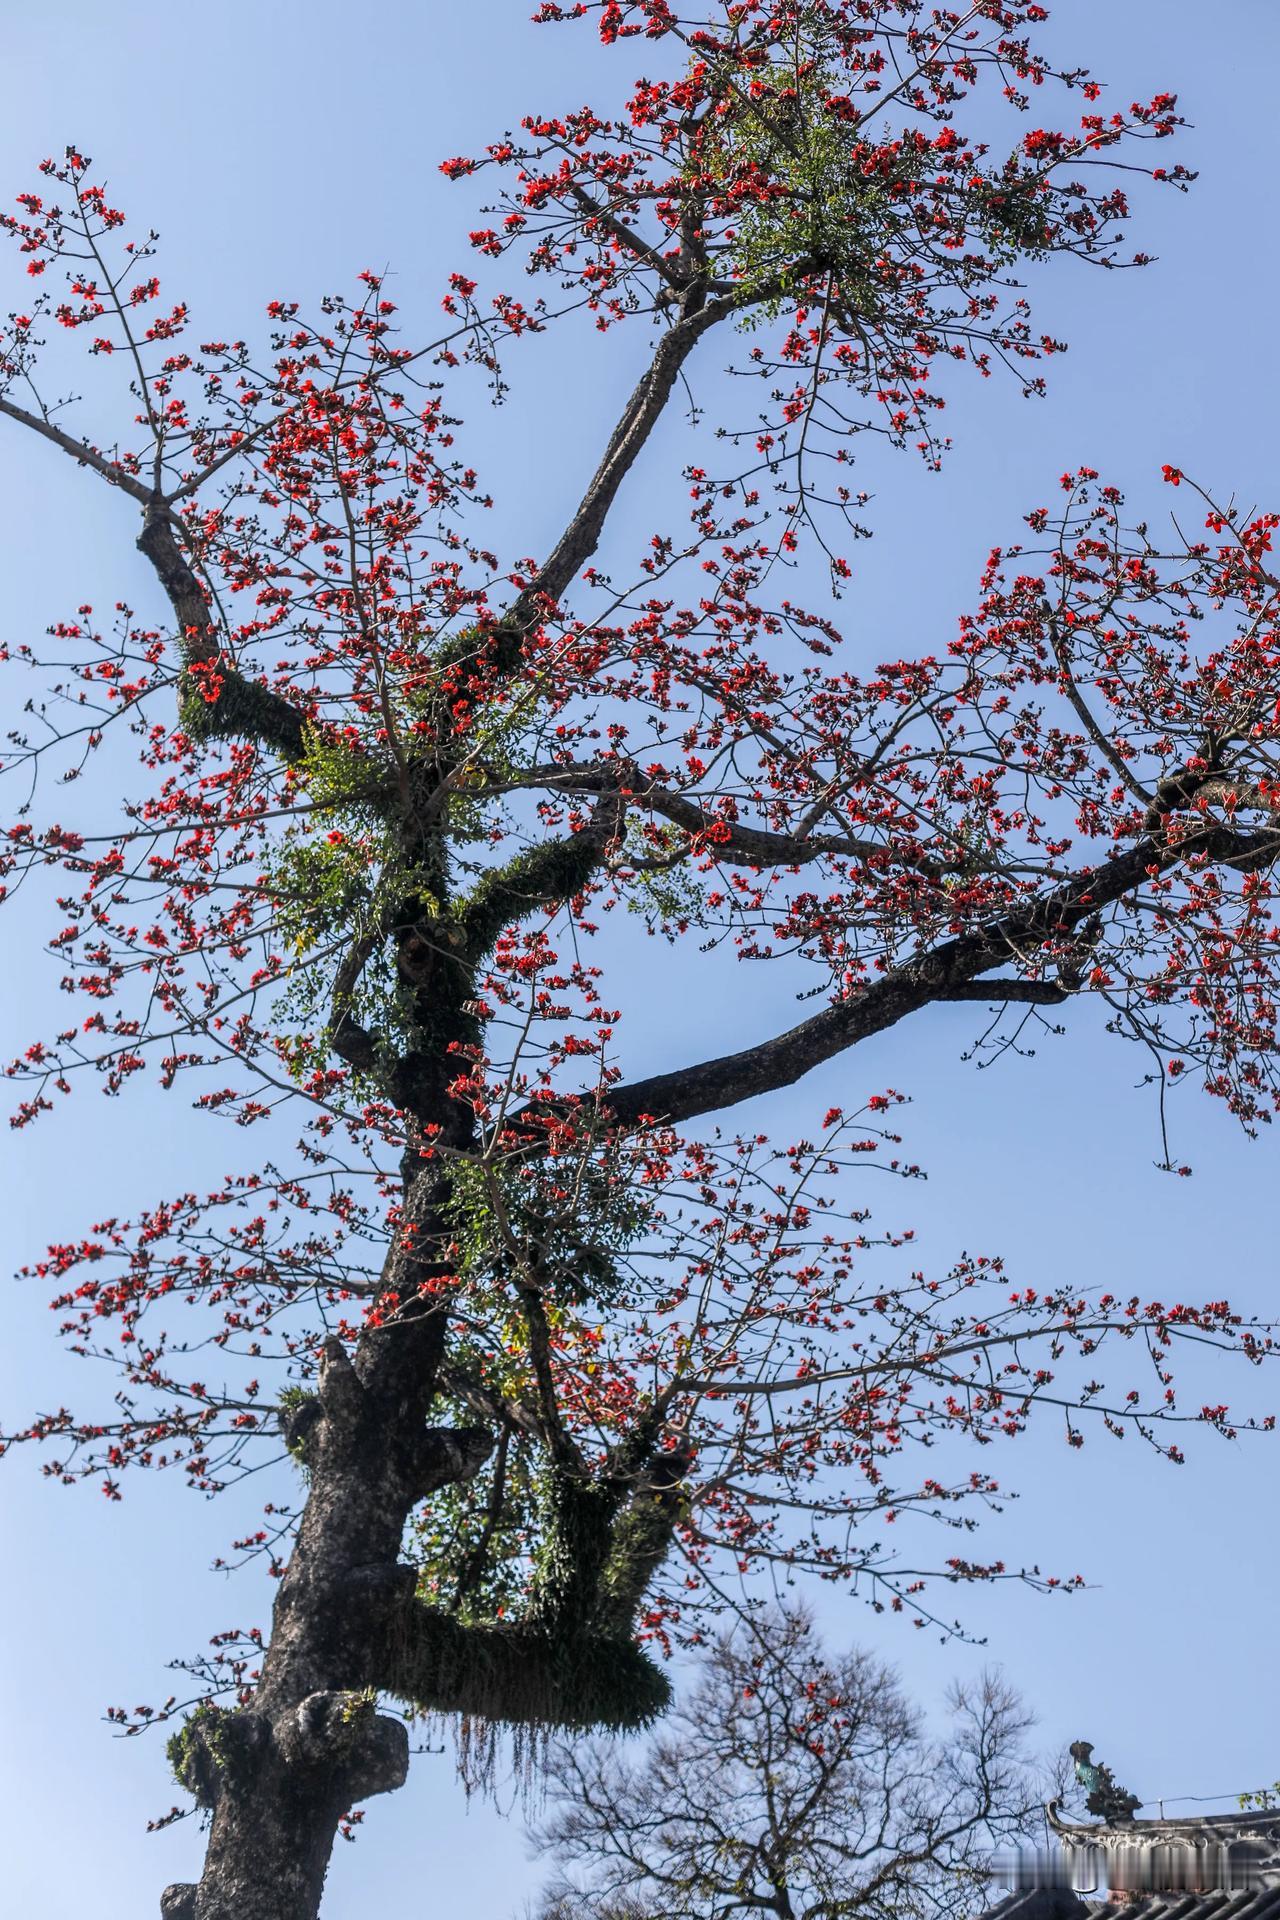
(1034,993)
(644,408)
(1180,792)
(511,1416)
(642,253)
(641,1539)
(559,1441)
(542,876)
(640,415)
(86,456)
(731,842)
(948,972)
(243,707)
(239,707)
(516,1673)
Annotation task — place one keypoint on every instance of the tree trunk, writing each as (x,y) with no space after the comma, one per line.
(267,1860)
(279,1774)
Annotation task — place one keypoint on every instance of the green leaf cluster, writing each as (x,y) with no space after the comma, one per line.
(574,1220)
(668,898)
(814,194)
(807,205)
(477,1571)
(338,874)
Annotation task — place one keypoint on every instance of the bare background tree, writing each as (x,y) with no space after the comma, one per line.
(790,1782)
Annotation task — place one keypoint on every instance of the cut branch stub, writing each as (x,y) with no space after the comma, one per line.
(218,1752)
(332,1740)
(343,1743)
(445,1457)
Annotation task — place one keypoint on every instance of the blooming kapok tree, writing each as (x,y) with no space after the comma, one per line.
(549,1365)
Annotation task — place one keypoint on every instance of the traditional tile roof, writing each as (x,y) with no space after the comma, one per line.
(1150,1867)
(1059,1903)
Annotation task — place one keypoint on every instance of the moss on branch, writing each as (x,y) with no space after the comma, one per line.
(521,1674)
(541,876)
(216,1751)
(578,1517)
(640,1543)
(242,709)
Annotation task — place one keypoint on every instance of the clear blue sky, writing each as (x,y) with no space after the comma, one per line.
(280,148)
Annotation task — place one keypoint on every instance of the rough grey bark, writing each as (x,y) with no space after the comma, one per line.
(279,1775)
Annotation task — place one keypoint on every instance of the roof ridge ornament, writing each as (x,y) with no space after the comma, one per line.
(1103,1797)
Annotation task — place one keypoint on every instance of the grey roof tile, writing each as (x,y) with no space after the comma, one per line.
(1059,1903)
